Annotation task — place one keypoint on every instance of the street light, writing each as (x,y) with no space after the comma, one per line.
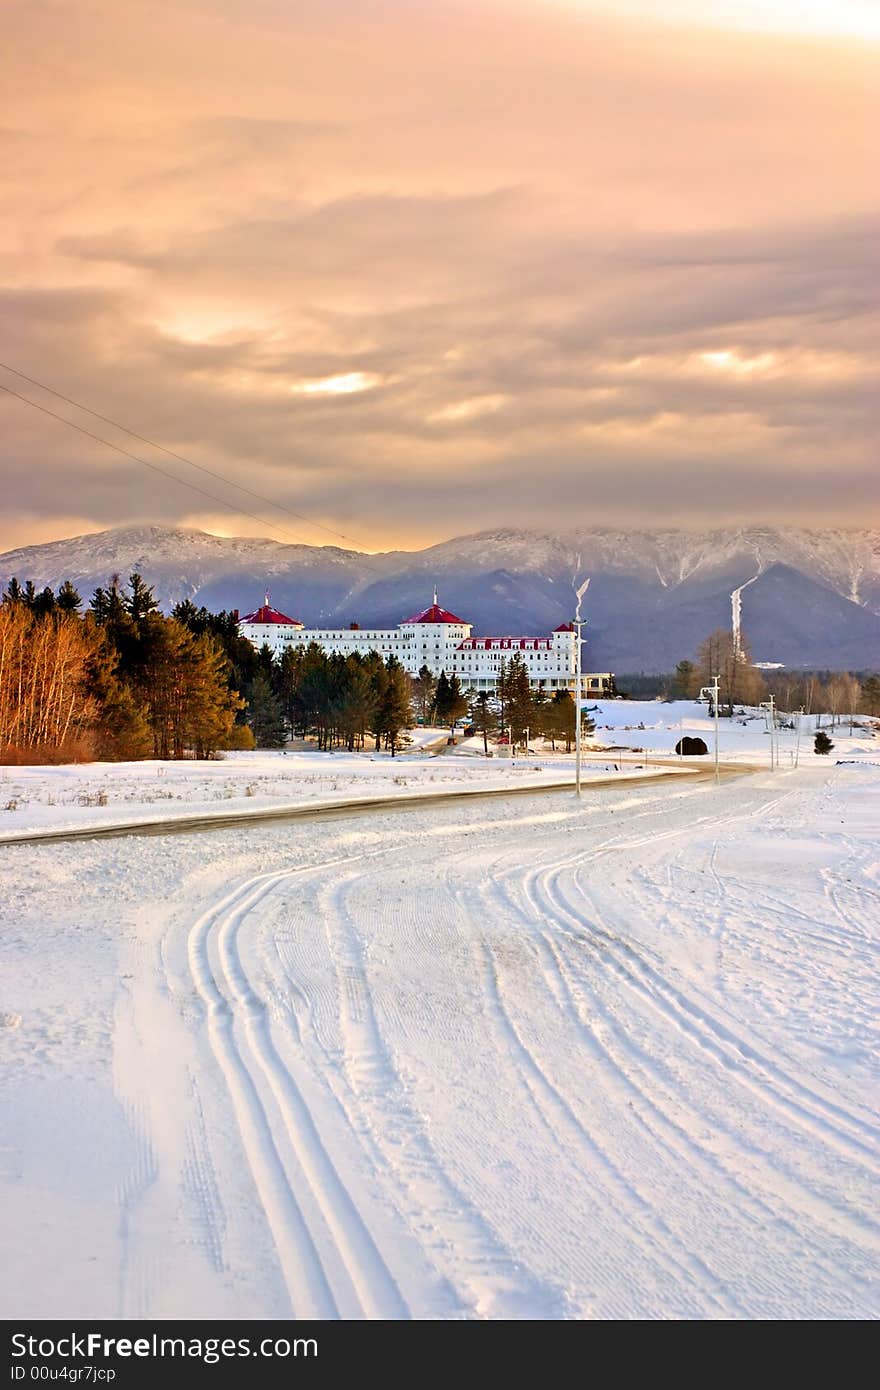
(578,624)
(710,692)
(770,707)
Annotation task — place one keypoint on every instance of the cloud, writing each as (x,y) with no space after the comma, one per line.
(415,269)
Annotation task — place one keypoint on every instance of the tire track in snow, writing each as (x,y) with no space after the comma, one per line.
(819,1117)
(671,1128)
(493,1281)
(827,1121)
(330,1264)
(559,1115)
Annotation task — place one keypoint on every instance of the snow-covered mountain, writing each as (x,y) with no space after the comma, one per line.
(806,598)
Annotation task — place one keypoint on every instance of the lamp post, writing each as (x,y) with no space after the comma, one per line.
(797,746)
(710,692)
(770,707)
(578,624)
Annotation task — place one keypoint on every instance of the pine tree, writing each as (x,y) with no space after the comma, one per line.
(121,730)
(44,603)
(140,601)
(68,600)
(683,683)
(355,701)
(502,690)
(484,718)
(822,743)
(181,681)
(425,689)
(449,702)
(315,694)
(538,722)
(265,715)
(519,698)
(395,706)
(871,695)
(560,717)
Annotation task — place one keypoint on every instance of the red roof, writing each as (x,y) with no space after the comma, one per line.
(564,627)
(265,614)
(435,614)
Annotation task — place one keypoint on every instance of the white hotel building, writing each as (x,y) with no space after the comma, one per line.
(439,640)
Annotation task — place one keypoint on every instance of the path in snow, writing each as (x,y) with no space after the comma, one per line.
(492,1060)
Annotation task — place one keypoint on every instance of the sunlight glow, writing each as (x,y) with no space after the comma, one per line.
(849,19)
(469,409)
(345,384)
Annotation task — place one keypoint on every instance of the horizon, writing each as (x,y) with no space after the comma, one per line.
(396,270)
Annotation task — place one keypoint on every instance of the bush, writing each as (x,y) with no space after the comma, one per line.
(822,743)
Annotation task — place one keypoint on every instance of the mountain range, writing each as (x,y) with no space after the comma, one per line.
(805,598)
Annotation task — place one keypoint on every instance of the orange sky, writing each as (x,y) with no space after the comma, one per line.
(418,270)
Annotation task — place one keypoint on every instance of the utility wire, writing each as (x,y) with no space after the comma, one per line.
(181,458)
(194,487)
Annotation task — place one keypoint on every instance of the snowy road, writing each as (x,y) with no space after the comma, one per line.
(511,1059)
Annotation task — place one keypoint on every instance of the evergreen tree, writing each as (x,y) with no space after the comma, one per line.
(822,743)
(560,719)
(449,702)
(265,715)
(395,707)
(519,698)
(14,592)
(871,695)
(315,694)
(181,682)
(68,600)
(139,602)
(425,689)
(241,655)
(355,701)
(44,603)
(540,712)
(441,698)
(684,680)
(121,731)
(484,718)
(502,690)
(289,674)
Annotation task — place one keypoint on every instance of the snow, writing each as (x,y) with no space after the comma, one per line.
(532,1057)
(180,562)
(106,794)
(632,738)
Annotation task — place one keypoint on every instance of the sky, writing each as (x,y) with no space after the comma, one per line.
(411,269)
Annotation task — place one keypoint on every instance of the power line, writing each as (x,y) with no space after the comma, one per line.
(194,487)
(133,434)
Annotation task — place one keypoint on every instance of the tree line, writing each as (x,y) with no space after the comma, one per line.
(839,694)
(121,680)
(118,681)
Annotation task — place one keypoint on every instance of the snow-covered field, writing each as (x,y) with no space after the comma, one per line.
(109,793)
(33,798)
(519,1058)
